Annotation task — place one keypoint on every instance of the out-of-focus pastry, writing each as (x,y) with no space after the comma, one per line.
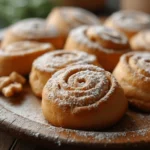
(129,22)
(141,41)
(19,56)
(68,18)
(33,29)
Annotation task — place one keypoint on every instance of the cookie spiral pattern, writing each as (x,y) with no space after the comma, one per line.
(141,41)
(133,74)
(107,44)
(129,22)
(80,95)
(53,61)
(45,66)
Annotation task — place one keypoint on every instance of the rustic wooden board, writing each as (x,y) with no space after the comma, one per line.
(6,141)
(22,117)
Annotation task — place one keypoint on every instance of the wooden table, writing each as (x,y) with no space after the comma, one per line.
(7,142)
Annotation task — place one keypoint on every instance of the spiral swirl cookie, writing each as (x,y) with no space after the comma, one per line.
(141,41)
(129,22)
(45,66)
(107,44)
(19,56)
(67,18)
(33,29)
(81,96)
(133,74)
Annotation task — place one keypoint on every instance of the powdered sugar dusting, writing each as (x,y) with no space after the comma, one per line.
(80,85)
(131,20)
(53,61)
(142,132)
(75,17)
(26,47)
(142,40)
(140,62)
(105,33)
(33,28)
(93,37)
(134,126)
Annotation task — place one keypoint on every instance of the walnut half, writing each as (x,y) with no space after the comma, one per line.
(12,84)
(15,77)
(4,81)
(12,89)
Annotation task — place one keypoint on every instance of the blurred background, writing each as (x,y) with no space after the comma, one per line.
(14,10)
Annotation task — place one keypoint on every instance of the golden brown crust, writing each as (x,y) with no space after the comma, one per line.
(20,55)
(33,29)
(107,44)
(133,74)
(141,41)
(81,96)
(45,66)
(68,18)
(129,22)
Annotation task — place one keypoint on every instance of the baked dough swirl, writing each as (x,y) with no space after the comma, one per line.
(46,65)
(129,22)
(67,18)
(33,29)
(141,41)
(81,96)
(107,44)
(133,74)
(19,56)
